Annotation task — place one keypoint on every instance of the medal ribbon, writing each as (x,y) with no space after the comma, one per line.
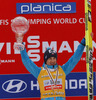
(51,75)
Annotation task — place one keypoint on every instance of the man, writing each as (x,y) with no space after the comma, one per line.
(51,76)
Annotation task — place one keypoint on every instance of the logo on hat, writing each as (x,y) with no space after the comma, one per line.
(52,51)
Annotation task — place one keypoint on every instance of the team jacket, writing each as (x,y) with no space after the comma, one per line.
(40,73)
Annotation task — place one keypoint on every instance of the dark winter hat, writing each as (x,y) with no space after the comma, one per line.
(49,53)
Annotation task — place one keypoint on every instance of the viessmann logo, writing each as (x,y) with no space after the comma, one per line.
(14,86)
(35,8)
(7,61)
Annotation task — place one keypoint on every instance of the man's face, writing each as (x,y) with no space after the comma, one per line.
(51,61)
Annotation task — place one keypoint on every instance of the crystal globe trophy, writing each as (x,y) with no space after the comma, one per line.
(20,26)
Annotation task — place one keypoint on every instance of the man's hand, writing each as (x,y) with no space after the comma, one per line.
(19,46)
(91,35)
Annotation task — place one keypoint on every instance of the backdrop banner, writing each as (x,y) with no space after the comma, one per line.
(59,24)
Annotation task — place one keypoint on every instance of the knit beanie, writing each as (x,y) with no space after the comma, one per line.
(49,53)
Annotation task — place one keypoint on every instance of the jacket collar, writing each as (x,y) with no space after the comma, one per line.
(50,66)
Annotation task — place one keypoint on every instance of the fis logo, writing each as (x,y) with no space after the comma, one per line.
(36,8)
(89,2)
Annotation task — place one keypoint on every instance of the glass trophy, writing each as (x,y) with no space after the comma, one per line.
(19,25)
